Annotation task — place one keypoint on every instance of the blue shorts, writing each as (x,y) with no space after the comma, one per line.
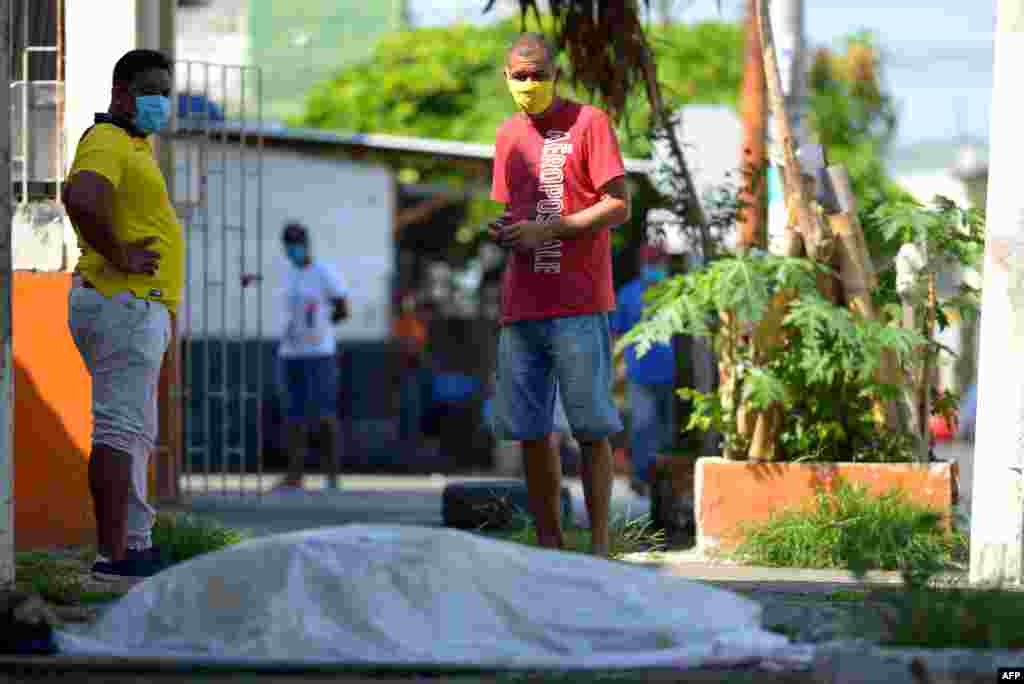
(311,387)
(569,356)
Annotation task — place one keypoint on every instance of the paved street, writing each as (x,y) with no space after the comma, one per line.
(248,502)
(238,502)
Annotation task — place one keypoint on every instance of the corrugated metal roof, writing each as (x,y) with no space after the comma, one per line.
(378,141)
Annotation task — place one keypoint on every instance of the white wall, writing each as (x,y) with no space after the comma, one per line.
(348,208)
(94,42)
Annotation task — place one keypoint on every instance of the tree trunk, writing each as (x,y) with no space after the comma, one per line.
(858,278)
(804,230)
(753,156)
(808,221)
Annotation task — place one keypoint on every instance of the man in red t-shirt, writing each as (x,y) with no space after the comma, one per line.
(559,173)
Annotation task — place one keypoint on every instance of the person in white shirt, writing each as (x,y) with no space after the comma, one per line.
(316,300)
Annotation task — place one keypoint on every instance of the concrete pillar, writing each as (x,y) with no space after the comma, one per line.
(6,331)
(997,516)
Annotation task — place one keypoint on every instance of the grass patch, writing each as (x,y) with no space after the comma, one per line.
(56,580)
(854,530)
(846,596)
(62,578)
(626,536)
(938,617)
(958,617)
(183,536)
(850,528)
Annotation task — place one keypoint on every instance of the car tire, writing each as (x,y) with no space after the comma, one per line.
(492,505)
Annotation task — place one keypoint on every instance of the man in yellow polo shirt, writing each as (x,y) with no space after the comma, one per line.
(127,286)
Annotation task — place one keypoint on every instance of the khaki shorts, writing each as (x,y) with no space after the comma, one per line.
(122,340)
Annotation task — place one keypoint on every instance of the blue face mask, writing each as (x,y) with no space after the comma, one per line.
(654,273)
(152,112)
(297,254)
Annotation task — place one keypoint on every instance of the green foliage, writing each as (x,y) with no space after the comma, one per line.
(823,375)
(435,82)
(447,82)
(57,580)
(849,528)
(626,536)
(951,237)
(184,537)
(938,617)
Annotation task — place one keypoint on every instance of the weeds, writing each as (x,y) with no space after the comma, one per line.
(57,580)
(185,536)
(853,529)
(63,579)
(626,536)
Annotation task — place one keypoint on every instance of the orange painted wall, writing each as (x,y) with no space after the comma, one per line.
(52,429)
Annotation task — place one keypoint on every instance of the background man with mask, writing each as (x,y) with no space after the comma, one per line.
(650,379)
(315,301)
(127,285)
(559,172)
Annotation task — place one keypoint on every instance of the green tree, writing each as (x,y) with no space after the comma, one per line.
(446,82)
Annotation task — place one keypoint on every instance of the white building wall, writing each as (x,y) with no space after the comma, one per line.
(95,39)
(924,186)
(347,206)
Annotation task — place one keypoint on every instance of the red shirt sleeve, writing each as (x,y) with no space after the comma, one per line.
(499,180)
(601,150)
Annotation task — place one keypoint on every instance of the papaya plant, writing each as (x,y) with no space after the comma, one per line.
(822,373)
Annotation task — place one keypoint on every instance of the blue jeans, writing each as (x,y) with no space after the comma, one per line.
(652,422)
(311,388)
(572,354)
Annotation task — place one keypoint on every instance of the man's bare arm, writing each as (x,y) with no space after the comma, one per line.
(89,200)
(613,209)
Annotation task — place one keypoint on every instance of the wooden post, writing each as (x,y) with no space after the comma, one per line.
(858,278)
(809,225)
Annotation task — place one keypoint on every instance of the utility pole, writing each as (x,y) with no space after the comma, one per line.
(787,23)
(997,515)
(6,331)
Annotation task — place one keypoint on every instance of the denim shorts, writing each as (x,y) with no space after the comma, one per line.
(311,387)
(538,361)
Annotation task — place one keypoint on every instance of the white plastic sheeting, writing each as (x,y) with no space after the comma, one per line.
(400,595)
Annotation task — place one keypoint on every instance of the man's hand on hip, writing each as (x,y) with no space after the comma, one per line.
(137,258)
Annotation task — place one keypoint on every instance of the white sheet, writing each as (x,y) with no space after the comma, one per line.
(410,595)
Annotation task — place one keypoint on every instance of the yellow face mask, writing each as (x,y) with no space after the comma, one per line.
(533,97)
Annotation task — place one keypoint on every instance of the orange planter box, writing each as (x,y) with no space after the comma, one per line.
(732,494)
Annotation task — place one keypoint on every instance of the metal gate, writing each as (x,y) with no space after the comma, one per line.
(218,188)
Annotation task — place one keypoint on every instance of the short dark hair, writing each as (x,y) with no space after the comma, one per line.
(137,61)
(295,232)
(531,43)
